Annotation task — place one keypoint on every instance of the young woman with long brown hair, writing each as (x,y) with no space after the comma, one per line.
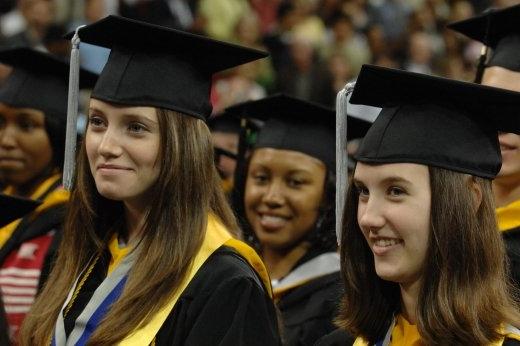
(422,261)
(149,255)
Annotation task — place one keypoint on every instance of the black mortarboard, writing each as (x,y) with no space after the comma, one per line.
(224,122)
(298,125)
(151,65)
(38,80)
(435,121)
(12,208)
(498,29)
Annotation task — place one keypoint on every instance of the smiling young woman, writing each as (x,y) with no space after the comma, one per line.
(149,254)
(32,140)
(289,206)
(421,258)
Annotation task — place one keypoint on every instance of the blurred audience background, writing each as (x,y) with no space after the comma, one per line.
(316,46)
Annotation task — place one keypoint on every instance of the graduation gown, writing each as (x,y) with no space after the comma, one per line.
(28,250)
(409,337)
(308,307)
(509,225)
(224,304)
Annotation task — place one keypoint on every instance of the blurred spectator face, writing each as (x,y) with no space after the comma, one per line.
(94,10)
(248,30)
(461,10)
(302,53)
(420,48)
(39,14)
(343,29)
(509,143)
(376,40)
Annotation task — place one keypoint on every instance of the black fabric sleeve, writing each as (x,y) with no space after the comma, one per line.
(224,304)
(337,338)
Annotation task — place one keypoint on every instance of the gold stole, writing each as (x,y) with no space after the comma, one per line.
(216,236)
(58,196)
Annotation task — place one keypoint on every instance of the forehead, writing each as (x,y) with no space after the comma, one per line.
(410,172)
(115,109)
(500,77)
(5,109)
(285,159)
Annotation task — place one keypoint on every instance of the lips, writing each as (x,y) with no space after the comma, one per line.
(11,161)
(272,221)
(112,167)
(383,245)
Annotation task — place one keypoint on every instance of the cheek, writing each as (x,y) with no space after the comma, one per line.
(90,147)
(37,145)
(252,195)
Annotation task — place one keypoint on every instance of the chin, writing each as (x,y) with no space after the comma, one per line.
(110,193)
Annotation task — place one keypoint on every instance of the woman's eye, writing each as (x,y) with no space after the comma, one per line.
(26,125)
(396,191)
(260,178)
(136,127)
(95,121)
(362,190)
(295,182)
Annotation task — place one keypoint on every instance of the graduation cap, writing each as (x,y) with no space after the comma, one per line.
(224,122)
(38,80)
(12,208)
(435,121)
(294,124)
(499,30)
(151,65)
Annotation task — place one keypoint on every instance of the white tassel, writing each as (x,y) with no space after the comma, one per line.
(72,114)
(341,154)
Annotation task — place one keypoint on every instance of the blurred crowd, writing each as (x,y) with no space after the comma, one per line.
(315,46)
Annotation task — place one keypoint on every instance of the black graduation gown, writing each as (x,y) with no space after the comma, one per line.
(338,337)
(341,338)
(308,310)
(512,241)
(224,304)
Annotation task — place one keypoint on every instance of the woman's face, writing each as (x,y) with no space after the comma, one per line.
(25,148)
(123,145)
(394,216)
(500,77)
(284,190)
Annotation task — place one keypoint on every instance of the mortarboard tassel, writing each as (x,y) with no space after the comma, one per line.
(72,114)
(341,154)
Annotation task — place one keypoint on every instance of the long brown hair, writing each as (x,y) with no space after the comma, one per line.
(465,294)
(186,191)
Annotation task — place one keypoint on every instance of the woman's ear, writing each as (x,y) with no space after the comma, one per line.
(476,190)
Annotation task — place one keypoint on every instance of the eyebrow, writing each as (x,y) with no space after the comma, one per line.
(387,180)
(126,115)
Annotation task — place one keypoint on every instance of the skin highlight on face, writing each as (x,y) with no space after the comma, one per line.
(25,148)
(122,145)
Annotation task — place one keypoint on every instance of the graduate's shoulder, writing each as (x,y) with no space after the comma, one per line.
(224,266)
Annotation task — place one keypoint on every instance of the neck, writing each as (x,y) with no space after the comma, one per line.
(505,191)
(409,298)
(280,262)
(28,188)
(135,217)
